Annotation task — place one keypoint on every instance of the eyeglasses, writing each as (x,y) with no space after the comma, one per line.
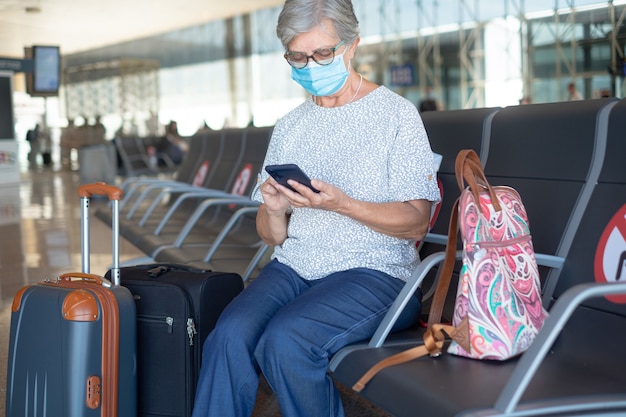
(322,56)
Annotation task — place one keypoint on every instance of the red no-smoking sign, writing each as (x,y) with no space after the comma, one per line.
(610,261)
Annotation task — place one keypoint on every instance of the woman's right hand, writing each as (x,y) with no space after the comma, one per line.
(275,201)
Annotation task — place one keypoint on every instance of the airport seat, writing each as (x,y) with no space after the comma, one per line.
(547,161)
(198,221)
(222,151)
(199,144)
(193,239)
(145,209)
(450,131)
(566,371)
(133,157)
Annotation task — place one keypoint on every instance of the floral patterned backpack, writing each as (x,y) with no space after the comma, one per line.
(498,310)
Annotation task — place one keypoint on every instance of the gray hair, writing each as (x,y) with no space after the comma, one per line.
(300,16)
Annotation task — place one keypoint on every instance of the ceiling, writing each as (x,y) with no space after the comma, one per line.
(79,25)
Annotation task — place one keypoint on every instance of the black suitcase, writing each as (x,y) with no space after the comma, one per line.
(177,307)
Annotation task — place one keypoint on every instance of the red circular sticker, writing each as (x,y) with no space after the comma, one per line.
(201,174)
(243,179)
(241,184)
(610,260)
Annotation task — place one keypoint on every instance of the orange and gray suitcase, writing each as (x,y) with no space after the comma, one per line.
(72,347)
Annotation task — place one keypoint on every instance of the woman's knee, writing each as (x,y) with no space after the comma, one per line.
(231,334)
(282,337)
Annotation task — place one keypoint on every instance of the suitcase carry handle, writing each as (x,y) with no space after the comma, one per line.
(100,188)
(85,277)
(156,270)
(85,192)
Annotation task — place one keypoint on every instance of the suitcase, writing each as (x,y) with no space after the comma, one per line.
(177,307)
(72,346)
(46,158)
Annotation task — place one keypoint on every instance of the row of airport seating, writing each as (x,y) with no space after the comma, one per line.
(565,159)
(567,162)
(203,216)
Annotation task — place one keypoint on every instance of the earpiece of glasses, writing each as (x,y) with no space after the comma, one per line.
(322,56)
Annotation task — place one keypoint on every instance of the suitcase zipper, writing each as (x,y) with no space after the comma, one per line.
(169,321)
(191,330)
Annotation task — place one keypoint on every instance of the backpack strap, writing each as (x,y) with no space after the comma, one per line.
(445,271)
(469,169)
(434,339)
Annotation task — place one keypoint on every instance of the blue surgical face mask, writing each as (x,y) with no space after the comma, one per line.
(322,80)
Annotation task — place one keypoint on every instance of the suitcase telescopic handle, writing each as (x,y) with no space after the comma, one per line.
(114,194)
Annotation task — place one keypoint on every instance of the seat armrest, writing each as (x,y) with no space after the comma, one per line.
(414,281)
(232,221)
(205,194)
(255,261)
(205,205)
(559,315)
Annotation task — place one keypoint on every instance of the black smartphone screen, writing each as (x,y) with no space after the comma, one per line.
(282,173)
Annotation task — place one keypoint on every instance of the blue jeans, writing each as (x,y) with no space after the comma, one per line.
(288,328)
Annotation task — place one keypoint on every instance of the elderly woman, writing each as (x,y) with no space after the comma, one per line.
(342,254)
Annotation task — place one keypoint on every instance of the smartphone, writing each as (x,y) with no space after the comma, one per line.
(282,173)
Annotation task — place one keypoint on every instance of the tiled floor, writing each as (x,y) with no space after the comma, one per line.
(40,237)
